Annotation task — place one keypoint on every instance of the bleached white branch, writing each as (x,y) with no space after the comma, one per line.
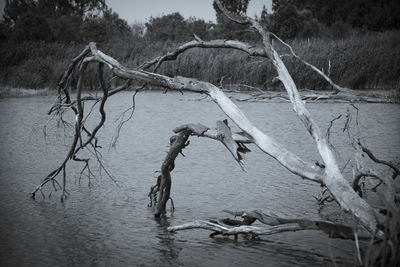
(332,178)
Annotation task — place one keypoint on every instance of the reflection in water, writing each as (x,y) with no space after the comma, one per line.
(169,252)
(109,224)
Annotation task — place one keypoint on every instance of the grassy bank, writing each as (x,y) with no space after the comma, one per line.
(370,61)
(21,92)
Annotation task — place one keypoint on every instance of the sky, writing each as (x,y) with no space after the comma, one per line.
(141,10)
(2,4)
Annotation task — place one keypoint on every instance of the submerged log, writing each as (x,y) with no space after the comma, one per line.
(275,225)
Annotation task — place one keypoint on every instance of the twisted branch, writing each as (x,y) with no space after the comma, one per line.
(178,142)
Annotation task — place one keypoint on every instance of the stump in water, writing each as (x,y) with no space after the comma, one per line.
(178,142)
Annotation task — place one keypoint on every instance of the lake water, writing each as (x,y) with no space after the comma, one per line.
(109,224)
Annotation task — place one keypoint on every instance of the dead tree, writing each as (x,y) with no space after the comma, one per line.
(328,174)
(178,142)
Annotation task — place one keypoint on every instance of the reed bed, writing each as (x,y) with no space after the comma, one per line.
(368,61)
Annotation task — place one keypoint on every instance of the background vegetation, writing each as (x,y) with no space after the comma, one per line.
(354,42)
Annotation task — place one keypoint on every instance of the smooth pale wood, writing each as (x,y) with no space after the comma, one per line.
(314,96)
(330,176)
(222,133)
(333,179)
(333,230)
(232,44)
(267,144)
(244,229)
(336,86)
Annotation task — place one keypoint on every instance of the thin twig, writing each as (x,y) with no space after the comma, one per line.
(122,115)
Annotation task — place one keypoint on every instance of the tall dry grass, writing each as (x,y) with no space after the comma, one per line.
(369,61)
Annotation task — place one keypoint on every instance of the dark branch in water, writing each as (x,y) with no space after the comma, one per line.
(82,136)
(160,193)
(390,164)
(121,117)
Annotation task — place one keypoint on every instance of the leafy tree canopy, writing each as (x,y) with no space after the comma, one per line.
(228,29)
(174,27)
(61,21)
(16,9)
(304,18)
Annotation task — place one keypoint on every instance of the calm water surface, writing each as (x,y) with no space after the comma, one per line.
(109,224)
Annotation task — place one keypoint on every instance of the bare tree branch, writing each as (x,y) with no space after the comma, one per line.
(384,162)
(337,87)
(332,178)
(122,115)
(247,48)
(266,143)
(329,176)
(276,225)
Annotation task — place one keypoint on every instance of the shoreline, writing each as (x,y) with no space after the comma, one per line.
(23,92)
(382,95)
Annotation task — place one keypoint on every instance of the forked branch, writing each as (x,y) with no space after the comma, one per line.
(83,137)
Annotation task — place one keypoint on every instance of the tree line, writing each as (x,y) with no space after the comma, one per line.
(80,21)
(62,21)
(331,18)
(71,21)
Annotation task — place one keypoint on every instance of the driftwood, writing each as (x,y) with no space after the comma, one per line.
(339,187)
(332,177)
(328,173)
(310,96)
(276,225)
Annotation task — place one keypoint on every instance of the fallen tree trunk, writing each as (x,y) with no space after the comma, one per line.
(330,176)
(276,225)
(318,96)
